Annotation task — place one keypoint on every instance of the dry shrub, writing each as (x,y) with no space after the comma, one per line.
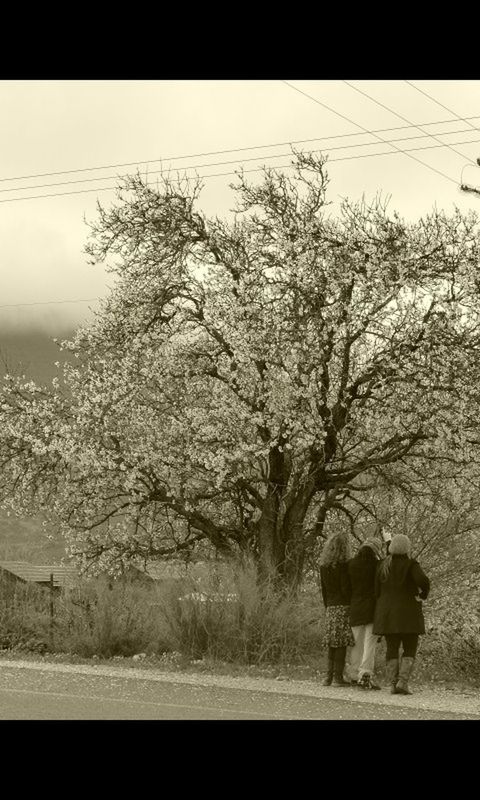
(24,616)
(242,622)
(451,648)
(107,618)
(228,620)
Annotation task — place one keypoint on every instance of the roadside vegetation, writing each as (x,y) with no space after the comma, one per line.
(188,624)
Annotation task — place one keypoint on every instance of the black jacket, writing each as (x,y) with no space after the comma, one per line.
(336,589)
(399,607)
(362,569)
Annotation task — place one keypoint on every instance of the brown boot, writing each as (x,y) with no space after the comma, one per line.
(330,665)
(392,674)
(406,668)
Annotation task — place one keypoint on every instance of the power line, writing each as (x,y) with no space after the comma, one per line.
(50,302)
(399,150)
(463,186)
(348,158)
(235,161)
(233,150)
(418,126)
(330,161)
(257,169)
(343,116)
(465,119)
(391,111)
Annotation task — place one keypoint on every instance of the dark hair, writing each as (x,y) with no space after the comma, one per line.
(367,554)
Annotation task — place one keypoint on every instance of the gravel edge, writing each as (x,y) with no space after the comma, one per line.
(422,699)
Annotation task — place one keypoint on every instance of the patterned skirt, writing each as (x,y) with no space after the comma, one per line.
(338,632)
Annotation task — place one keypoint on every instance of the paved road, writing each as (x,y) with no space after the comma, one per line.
(43,693)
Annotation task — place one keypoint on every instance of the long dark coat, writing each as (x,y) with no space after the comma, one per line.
(336,589)
(399,607)
(362,569)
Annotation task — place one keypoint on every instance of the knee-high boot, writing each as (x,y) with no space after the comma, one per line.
(392,674)
(330,666)
(339,666)
(406,667)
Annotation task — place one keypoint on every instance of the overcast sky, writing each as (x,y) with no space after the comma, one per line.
(62,126)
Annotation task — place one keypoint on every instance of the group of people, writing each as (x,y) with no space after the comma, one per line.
(371,595)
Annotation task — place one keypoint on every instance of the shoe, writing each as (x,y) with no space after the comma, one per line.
(392,674)
(367,682)
(405,672)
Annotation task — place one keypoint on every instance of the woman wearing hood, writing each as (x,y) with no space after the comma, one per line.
(400,587)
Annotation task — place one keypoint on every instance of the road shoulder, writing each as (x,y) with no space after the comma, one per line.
(441,700)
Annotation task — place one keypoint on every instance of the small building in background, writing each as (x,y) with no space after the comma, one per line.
(177,576)
(22,572)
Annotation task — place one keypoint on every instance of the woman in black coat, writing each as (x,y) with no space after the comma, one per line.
(336,592)
(400,586)
(362,570)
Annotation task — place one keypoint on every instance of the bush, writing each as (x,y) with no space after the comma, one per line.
(452,645)
(24,616)
(231,621)
(242,622)
(108,618)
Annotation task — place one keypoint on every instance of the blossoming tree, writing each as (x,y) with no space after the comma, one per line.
(244,379)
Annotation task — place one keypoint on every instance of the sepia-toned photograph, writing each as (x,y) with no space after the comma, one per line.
(240,399)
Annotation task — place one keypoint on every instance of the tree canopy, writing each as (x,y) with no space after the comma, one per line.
(247,378)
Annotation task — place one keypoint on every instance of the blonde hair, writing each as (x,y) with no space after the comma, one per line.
(336,550)
(384,568)
(400,545)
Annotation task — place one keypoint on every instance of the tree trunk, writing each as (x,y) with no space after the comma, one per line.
(281,545)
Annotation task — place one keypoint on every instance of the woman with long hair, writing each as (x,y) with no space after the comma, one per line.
(336,592)
(400,587)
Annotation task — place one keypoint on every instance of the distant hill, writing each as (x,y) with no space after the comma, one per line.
(33,353)
(26,539)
